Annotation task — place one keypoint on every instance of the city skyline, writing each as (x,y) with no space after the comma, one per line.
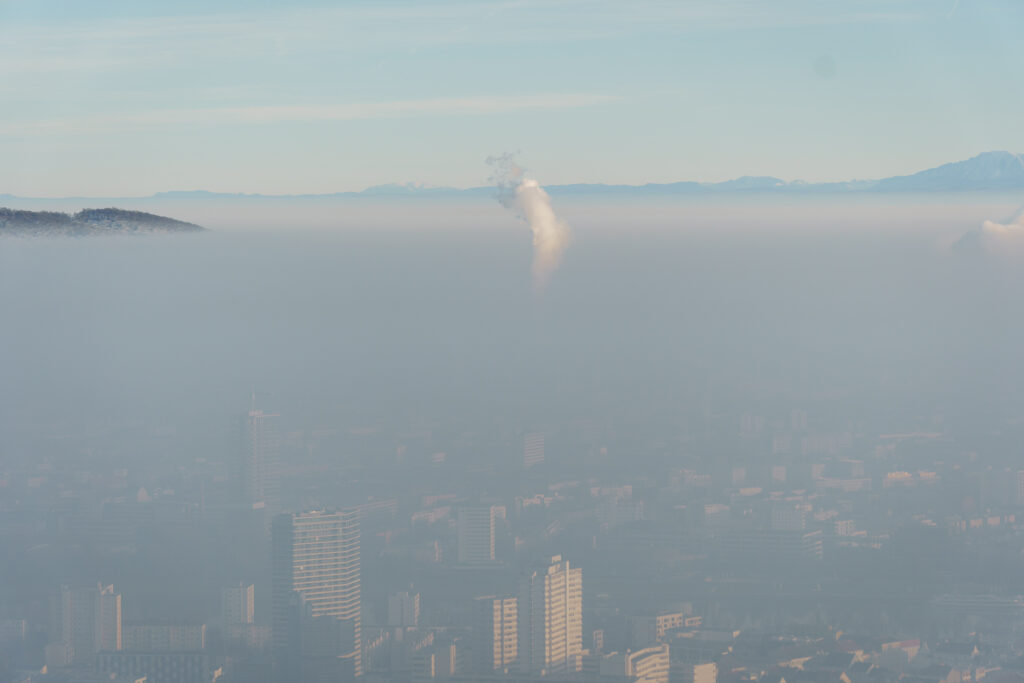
(595,342)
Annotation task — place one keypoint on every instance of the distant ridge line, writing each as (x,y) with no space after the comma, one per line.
(88,222)
(988,171)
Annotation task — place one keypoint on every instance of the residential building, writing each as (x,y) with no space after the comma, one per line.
(476,534)
(496,633)
(259,459)
(403,609)
(533,449)
(550,610)
(649,665)
(316,592)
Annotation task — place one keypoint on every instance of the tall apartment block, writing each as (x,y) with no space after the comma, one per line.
(533,449)
(259,459)
(551,620)
(476,534)
(238,605)
(316,595)
(83,622)
(496,635)
(403,609)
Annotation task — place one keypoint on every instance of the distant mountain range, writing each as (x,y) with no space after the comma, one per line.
(88,222)
(988,172)
(991,171)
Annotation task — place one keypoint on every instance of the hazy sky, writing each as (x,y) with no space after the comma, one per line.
(134,97)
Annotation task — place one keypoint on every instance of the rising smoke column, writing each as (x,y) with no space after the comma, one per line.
(994,237)
(1015,228)
(525,196)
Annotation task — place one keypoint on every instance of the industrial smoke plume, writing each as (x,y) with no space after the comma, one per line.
(1014,228)
(997,238)
(525,196)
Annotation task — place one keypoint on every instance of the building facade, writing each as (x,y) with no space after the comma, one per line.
(403,609)
(533,449)
(476,534)
(496,632)
(238,605)
(259,459)
(649,665)
(316,592)
(84,621)
(550,612)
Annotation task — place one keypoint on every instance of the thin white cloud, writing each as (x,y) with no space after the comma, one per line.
(269,114)
(131,44)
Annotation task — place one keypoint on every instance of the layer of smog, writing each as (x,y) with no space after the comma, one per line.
(511,342)
(756,417)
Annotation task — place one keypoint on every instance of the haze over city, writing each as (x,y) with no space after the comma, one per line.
(511,342)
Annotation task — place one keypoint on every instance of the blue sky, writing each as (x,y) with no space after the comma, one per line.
(130,98)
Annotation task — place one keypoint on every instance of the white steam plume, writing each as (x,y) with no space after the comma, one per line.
(993,237)
(1013,229)
(525,196)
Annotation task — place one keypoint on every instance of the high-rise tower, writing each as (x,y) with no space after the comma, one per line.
(551,620)
(496,635)
(84,621)
(238,604)
(476,531)
(260,467)
(533,449)
(316,595)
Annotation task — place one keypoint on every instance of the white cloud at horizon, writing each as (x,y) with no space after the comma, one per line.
(133,43)
(269,114)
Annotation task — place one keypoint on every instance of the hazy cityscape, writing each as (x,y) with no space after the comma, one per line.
(306,456)
(511,342)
